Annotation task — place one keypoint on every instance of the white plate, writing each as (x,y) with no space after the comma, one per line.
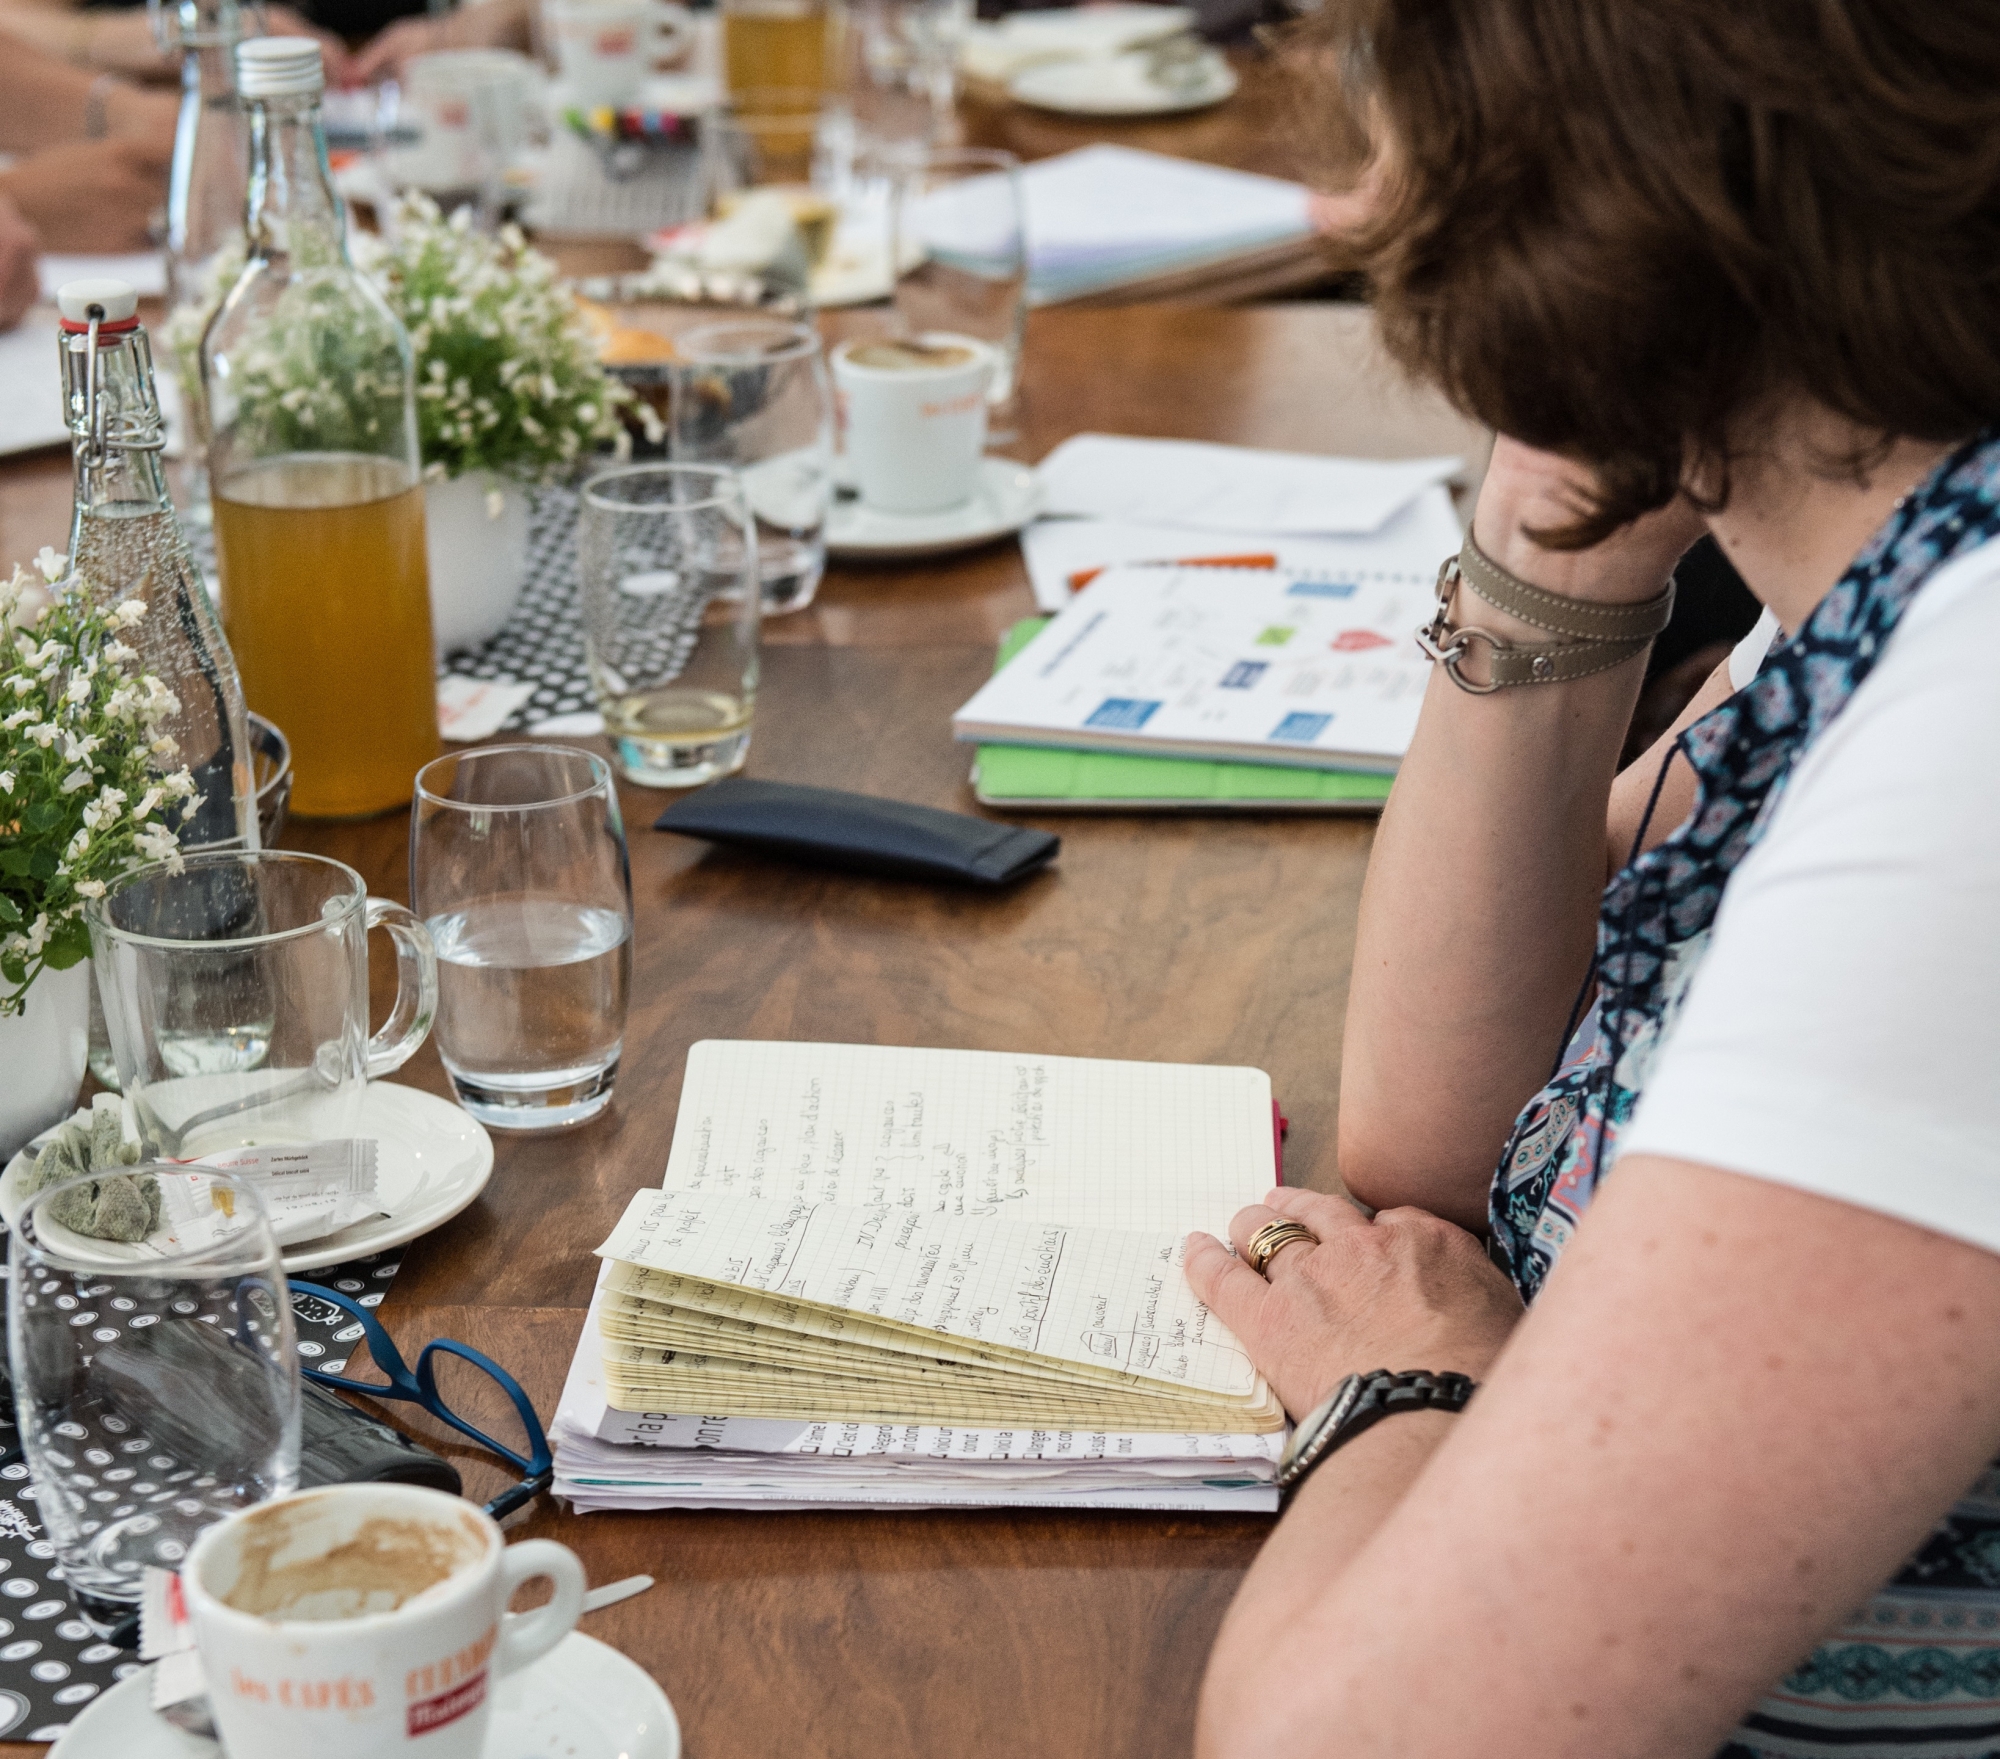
(432,1160)
(583,1700)
(1119,86)
(1003,500)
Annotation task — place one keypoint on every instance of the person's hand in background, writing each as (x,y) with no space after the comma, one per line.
(484,24)
(122,42)
(91,197)
(19,246)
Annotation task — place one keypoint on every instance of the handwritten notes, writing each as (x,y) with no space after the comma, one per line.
(877,1312)
(1146,1147)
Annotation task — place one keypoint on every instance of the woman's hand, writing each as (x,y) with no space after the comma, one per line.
(19,283)
(1406,1290)
(488,24)
(126,179)
(1526,491)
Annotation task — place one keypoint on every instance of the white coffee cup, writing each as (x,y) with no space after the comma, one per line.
(913,429)
(470,109)
(605,50)
(366,1618)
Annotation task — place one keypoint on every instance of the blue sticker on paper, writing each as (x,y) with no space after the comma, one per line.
(1321,589)
(1121,714)
(1300,729)
(1244,674)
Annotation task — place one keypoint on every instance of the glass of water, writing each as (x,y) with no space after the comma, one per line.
(667,563)
(518,869)
(754,393)
(958,237)
(156,1380)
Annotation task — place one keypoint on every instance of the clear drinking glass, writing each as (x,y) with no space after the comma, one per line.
(754,394)
(156,1384)
(236,997)
(901,66)
(958,237)
(518,868)
(667,561)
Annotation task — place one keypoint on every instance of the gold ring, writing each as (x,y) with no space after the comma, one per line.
(1272,1238)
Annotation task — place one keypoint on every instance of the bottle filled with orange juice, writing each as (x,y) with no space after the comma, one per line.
(314,471)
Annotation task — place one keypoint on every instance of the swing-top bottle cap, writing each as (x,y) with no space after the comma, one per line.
(117,304)
(279,67)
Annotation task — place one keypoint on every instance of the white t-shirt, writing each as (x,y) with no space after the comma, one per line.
(1842,1034)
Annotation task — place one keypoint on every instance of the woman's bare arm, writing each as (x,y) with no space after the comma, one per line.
(1733,1411)
(1479,910)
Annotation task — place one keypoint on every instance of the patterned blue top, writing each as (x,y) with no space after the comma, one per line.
(1916,1674)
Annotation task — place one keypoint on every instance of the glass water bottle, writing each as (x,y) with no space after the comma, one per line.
(204,203)
(314,471)
(125,543)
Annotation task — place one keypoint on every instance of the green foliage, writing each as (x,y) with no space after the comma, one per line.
(507,378)
(81,796)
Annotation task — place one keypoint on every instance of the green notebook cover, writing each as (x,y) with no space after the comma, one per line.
(1035,775)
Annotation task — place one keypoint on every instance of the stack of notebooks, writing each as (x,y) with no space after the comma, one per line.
(880,1277)
(1237,660)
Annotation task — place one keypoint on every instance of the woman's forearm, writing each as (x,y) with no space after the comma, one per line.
(1478,914)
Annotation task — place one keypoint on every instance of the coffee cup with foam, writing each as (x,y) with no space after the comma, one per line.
(913,418)
(367,1618)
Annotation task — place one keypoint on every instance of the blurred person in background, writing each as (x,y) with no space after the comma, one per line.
(89,156)
(118,38)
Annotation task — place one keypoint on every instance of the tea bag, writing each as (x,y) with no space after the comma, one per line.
(126,1210)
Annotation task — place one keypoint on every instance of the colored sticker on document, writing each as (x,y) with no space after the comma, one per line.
(1276,635)
(1356,641)
(1321,589)
(1121,714)
(1301,729)
(1244,674)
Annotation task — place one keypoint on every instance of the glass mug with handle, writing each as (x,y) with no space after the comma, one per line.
(236,997)
(156,1379)
(518,867)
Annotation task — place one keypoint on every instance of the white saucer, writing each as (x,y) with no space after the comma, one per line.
(583,1700)
(1004,499)
(432,1160)
(1120,86)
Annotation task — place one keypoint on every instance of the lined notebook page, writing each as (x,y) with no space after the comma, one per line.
(1146,1147)
(1114,1306)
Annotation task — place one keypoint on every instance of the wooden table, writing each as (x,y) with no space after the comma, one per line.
(1188,939)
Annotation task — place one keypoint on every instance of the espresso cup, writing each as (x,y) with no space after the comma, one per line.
(913,419)
(605,50)
(367,1619)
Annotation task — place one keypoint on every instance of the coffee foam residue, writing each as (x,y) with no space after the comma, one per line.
(384,1564)
(902,355)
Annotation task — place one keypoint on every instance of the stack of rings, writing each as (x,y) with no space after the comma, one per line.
(1272,1238)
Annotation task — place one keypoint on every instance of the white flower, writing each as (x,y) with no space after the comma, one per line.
(132,611)
(78,845)
(6,781)
(80,777)
(496,503)
(155,842)
(147,801)
(90,888)
(51,564)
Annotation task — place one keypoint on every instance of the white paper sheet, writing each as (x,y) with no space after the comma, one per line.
(31,412)
(1203,487)
(1057,549)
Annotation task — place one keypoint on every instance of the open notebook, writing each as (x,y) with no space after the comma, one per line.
(871,1234)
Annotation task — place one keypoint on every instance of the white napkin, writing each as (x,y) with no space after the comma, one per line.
(1204,487)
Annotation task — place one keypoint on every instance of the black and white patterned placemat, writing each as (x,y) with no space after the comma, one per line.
(51,1663)
(542,644)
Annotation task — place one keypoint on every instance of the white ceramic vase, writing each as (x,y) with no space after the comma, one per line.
(43,1053)
(476,532)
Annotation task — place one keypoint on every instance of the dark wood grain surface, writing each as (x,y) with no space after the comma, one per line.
(861,1636)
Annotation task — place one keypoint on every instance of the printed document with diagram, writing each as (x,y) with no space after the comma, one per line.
(1315,668)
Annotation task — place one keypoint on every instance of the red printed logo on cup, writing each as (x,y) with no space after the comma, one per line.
(616,41)
(430,1713)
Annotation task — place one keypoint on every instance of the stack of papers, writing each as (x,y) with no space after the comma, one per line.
(1110,216)
(885,1277)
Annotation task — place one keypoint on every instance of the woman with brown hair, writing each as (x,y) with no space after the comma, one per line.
(1725,1480)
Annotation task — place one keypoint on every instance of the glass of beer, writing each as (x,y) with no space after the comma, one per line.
(667,562)
(772,44)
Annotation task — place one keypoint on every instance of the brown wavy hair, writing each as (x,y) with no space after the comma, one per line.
(1623,229)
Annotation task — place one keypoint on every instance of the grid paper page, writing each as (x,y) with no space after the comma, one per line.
(1145,1147)
(1094,1299)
